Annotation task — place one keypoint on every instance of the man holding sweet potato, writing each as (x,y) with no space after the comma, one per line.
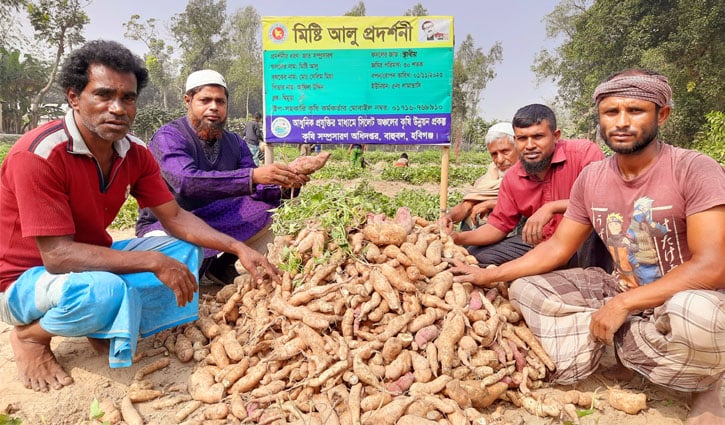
(211,173)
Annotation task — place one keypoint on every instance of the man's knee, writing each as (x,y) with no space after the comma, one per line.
(90,302)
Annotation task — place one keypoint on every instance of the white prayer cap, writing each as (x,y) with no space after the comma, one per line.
(203,78)
(502,127)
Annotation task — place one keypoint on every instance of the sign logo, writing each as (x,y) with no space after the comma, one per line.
(278,33)
(281,127)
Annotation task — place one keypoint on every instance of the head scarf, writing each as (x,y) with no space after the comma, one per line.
(652,88)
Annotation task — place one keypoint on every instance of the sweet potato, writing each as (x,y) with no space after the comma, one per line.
(534,345)
(421,368)
(309,164)
(398,367)
(150,368)
(231,374)
(433,387)
(183,348)
(625,401)
(139,396)
(391,348)
(434,251)
(398,280)
(216,411)
(185,410)
(453,329)
(541,408)
(419,260)
(385,289)
(401,384)
(129,413)
(237,407)
(167,402)
(388,414)
(202,387)
(208,327)
(415,420)
(250,379)
(232,347)
(385,233)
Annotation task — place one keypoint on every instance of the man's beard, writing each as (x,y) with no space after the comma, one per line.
(533,168)
(208,131)
(648,136)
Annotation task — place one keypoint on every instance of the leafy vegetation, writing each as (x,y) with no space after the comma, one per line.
(126,218)
(683,39)
(711,140)
(7,420)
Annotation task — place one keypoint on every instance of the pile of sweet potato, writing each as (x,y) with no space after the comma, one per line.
(375,332)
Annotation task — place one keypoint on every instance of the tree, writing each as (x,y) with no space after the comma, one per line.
(159,61)
(198,31)
(416,10)
(476,69)
(683,39)
(357,10)
(245,71)
(59,25)
(21,77)
(10,34)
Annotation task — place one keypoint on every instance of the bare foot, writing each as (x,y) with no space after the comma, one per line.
(38,368)
(102,346)
(706,408)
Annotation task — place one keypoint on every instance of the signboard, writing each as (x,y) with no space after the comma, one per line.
(364,80)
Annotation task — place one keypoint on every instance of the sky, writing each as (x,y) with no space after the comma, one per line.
(517,24)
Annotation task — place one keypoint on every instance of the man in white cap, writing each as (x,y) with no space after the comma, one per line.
(667,326)
(535,189)
(212,173)
(479,201)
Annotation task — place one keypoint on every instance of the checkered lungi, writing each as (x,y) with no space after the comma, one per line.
(680,344)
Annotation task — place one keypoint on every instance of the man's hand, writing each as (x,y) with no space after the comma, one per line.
(251,261)
(532,233)
(177,277)
(446,224)
(279,174)
(466,273)
(480,209)
(607,320)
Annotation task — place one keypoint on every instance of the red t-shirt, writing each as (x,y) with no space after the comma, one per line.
(521,194)
(643,222)
(50,185)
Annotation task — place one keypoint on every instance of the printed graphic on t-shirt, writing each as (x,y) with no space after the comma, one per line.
(642,243)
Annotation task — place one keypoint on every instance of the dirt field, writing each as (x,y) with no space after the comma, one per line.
(94,379)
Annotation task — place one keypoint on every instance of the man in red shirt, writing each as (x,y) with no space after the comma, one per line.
(61,185)
(536,188)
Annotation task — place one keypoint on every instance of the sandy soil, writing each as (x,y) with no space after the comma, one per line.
(95,380)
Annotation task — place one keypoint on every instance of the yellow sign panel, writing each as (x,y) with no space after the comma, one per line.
(356,32)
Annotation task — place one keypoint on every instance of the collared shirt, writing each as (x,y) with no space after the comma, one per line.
(220,191)
(51,185)
(522,194)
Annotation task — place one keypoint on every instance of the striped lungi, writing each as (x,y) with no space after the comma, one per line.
(680,344)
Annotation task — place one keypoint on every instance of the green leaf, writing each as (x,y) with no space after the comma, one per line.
(96,412)
(585,412)
(7,420)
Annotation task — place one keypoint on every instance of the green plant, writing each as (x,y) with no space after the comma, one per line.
(7,420)
(710,140)
(4,149)
(127,215)
(96,413)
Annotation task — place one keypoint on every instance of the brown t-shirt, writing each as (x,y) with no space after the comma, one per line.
(643,222)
